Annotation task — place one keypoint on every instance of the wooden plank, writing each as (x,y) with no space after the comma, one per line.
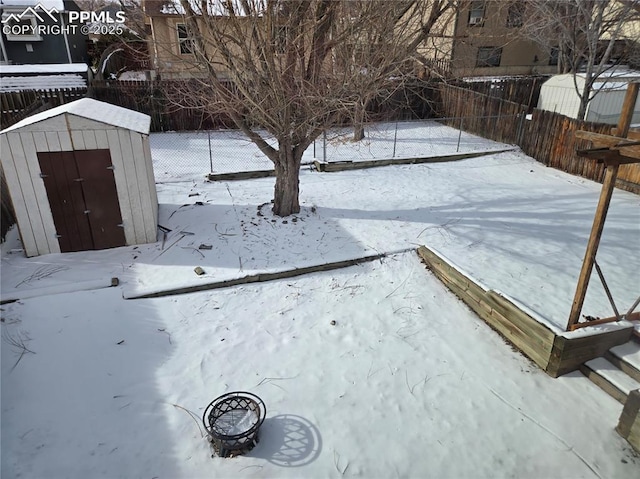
(53,141)
(131,184)
(77,140)
(629,423)
(258,278)
(569,353)
(65,141)
(604,384)
(43,210)
(102,143)
(151,179)
(631,134)
(149,222)
(593,323)
(121,185)
(525,322)
(40,140)
(29,196)
(19,203)
(600,139)
(89,138)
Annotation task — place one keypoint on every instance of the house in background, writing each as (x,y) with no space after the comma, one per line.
(21,42)
(483,38)
(488,41)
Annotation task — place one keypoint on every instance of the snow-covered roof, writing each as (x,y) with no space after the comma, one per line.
(48,4)
(44,68)
(41,82)
(93,110)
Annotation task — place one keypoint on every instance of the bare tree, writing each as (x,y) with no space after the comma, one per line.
(590,36)
(277,67)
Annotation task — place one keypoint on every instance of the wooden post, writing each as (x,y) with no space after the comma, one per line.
(609,183)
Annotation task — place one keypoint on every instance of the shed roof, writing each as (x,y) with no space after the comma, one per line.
(93,110)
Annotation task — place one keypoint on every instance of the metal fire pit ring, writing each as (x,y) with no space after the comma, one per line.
(232,422)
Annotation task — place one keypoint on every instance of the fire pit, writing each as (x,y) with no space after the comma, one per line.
(232,422)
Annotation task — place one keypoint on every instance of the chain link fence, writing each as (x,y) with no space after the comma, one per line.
(180,156)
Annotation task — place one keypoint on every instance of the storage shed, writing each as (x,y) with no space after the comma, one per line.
(558,94)
(81,178)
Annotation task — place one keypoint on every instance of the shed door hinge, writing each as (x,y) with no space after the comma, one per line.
(78,179)
(42,175)
(111,167)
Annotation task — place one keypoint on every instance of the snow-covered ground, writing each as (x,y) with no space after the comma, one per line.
(407,382)
(194,154)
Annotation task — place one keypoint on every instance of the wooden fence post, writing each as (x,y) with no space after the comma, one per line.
(601,211)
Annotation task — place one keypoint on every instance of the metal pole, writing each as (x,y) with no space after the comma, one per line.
(324,146)
(210,154)
(395,139)
(459,135)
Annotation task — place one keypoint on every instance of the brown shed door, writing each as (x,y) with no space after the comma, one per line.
(84,202)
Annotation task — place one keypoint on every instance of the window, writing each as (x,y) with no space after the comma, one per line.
(184,40)
(476,14)
(23,29)
(489,57)
(515,15)
(553,56)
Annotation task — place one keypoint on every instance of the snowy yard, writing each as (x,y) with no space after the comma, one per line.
(406,383)
(192,155)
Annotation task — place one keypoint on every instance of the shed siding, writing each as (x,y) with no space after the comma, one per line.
(46,216)
(90,142)
(132,185)
(19,202)
(29,195)
(40,140)
(124,195)
(65,140)
(101,140)
(56,123)
(77,140)
(151,181)
(143,185)
(53,141)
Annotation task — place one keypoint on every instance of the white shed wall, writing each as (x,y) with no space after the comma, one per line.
(607,105)
(135,183)
(558,94)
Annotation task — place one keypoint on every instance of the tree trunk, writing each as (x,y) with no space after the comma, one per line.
(285,199)
(358,127)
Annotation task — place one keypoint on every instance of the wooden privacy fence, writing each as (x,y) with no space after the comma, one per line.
(548,137)
(481,114)
(18,105)
(525,91)
(161,100)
